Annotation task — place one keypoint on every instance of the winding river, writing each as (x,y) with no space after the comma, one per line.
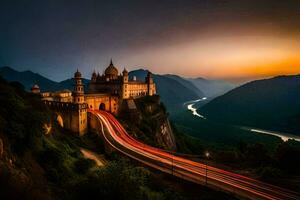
(190,105)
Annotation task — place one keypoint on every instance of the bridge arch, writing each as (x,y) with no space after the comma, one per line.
(102,106)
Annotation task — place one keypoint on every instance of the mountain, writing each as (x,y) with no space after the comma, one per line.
(28,78)
(68,84)
(272,104)
(212,88)
(173,91)
(186,83)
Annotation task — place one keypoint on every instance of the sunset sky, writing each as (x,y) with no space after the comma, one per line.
(232,40)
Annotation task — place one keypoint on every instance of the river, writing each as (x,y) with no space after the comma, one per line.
(284,136)
(190,106)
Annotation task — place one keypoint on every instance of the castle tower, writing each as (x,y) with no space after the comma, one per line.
(35,89)
(150,84)
(94,77)
(125,92)
(79,113)
(125,76)
(78,93)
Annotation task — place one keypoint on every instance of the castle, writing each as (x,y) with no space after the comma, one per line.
(113,83)
(105,92)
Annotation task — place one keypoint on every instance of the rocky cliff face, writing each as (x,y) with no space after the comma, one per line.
(149,122)
(165,136)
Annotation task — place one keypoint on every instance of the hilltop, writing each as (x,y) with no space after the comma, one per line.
(272,104)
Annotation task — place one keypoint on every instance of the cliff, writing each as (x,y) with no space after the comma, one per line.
(147,120)
(165,136)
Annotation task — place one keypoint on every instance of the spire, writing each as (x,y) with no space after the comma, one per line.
(94,73)
(77,74)
(111,63)
(125,71)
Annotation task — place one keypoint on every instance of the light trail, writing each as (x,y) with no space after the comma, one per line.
(117,137)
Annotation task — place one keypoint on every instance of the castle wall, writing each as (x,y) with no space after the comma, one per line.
(135,89)
(95,100)
(82,121)
(111,87)
(152,89)
(74,115)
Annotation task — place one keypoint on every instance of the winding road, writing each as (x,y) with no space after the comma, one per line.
(118,139)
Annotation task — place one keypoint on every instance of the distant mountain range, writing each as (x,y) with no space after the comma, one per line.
(29,78)
(174,90)
(272,104)
(212,88)
(198,90)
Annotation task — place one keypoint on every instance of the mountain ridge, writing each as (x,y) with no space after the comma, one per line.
(29,78)
(172,92)
(272,104)
(212,88)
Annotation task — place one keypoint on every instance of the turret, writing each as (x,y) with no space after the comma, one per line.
(149,78)
(94,77)
(78,92)
(125,75)
(150,84)
(35,89)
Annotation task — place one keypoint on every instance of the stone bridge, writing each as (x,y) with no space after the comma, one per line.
(72,116)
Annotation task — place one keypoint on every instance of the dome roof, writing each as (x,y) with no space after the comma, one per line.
(111,70)
(77,74)
(35,86)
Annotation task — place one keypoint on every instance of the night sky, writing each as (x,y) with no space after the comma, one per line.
(225,39)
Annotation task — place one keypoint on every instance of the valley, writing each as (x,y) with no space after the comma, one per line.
(195,132)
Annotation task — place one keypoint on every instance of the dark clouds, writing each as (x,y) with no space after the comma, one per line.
(48,36)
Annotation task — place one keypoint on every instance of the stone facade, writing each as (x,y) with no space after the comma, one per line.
(106,92)
(114,84)
(103,102)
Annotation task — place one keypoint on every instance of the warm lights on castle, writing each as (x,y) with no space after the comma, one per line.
(106,92)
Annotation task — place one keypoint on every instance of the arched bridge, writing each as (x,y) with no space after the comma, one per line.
(70,115)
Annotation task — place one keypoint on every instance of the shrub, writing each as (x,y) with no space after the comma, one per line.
(82,165)
(268,173)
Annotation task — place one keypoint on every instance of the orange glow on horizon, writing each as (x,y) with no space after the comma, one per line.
(287,66)
(228,57)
